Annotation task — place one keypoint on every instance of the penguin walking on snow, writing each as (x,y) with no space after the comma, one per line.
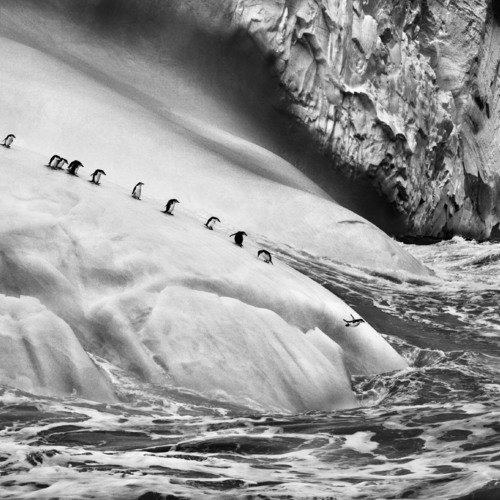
(238,237)
(266,256)
(169,207)
(136,192)
(211,222)
(73,167)
(60,164)
(8,140)
(53,161)
(96,176)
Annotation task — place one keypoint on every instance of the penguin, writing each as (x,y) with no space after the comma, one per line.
(73,167)
(96,176)
(266,255)
(169,207)
(136,192)
(238,237)
(211,222)
(8,140)
(354,321)
(53,161)
(60,164)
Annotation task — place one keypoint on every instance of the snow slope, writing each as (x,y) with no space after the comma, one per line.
(164,298)
(108,108)
(87,269)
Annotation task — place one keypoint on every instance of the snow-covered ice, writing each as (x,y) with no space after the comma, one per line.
(88,269)
(166,299)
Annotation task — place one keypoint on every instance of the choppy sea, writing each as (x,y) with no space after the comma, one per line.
(430,432)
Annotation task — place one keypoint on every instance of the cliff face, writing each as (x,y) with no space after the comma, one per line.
(403,93)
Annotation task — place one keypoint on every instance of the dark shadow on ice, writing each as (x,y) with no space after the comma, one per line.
(194,38)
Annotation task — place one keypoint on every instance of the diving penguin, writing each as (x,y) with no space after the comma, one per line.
(238,237)
(96,176)
(211,222)
(354,321)
(169,207)
(136,192)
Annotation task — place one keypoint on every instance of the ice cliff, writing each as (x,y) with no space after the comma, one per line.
(403,93)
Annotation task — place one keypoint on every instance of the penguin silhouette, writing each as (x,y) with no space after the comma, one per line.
(238,237)
(8,140)
(96,176)
(354,321)
(73,167)
(169,207)
(266,256)
(136,192)
(53,161)
(60,164)
(211,222)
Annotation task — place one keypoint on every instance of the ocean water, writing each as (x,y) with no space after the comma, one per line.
(431,431)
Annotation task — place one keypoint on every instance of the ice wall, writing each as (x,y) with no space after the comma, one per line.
(404,94)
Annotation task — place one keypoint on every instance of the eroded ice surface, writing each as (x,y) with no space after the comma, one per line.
(170,301)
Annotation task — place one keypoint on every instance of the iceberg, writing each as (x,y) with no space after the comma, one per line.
(167,300)
(87,269)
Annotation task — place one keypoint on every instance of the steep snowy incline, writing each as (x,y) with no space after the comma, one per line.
(105,123)
(164,298)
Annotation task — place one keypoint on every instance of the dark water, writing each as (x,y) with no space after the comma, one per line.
(432,431)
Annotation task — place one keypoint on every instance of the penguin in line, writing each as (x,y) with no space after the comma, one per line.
(211,222)
(96,176)
(8,140)
(53,161)
(60,163)
(266,256)
(238,237)
(136,192)
(354,321)
(73,167)
(169,207)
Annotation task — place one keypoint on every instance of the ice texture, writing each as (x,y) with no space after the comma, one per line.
(96,271)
